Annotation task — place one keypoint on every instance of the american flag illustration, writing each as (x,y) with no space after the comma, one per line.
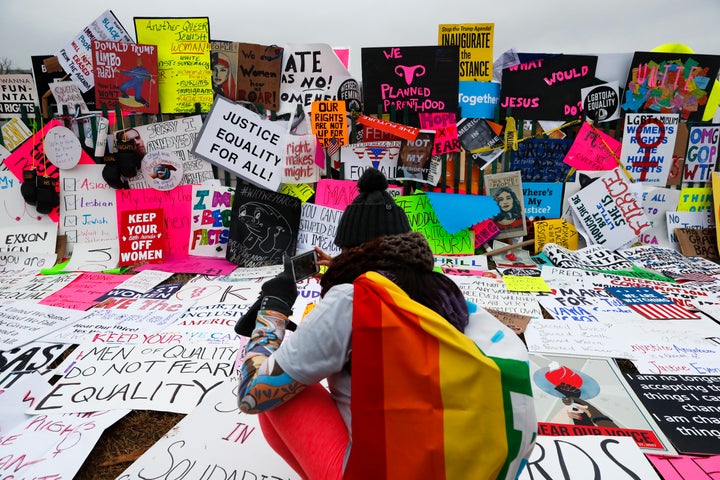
(650,303)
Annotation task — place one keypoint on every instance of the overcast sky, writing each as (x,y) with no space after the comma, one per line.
(41,27)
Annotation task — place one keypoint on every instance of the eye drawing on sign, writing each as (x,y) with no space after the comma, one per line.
(267,229)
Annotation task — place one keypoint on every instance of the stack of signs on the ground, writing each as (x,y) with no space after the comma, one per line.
(594,257)
(492,293)
(242,142)
(318,226)
(170,378)
(647,146)
(684,406)
(358,157)
(49,445)
(210,220)
(481,138)
(172,140)
(686,220)
(601,103)
(584,396)
(177,94)
(264,225)
(76,57)
(656,203)
(313,72)
(416,78)
(547,88)
(702,153)
(507,190)
(679,83)
(672,264)
(121,320)
(142,236)
(586,305)
(125,74)
(19,94)
(35,287)
(607,212)
(215,440)
(25,321)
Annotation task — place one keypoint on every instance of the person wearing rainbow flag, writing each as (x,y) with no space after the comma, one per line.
(409,394)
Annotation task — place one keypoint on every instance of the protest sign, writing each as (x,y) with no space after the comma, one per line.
(18,94)
(684,406)
(686,467)
(476,48)
(573,457)
(126,74)
(176,205)
(608,211)
(76,56)
(171,378)
(593,149)
(648,142)
(263,227)
(358,157)
(243,143)
(601,103)
(83,292)
(299,160)
(25,321)
(327,119)
(698,242)
(210,220)
(318,226)
(68,98)
(180,57)
(214,440)
(507,190)
(258,73)
(702,153)
(142,236)
(312,72)
(656,202)
(492,293)
(678,219)
(587,396)
(543,200)
(445,127)
(423,219)
(31,357)
(87,206)
(541,160)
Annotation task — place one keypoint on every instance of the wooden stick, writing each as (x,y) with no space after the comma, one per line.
(500,250)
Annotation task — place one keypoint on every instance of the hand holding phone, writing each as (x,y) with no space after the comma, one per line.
(303,266)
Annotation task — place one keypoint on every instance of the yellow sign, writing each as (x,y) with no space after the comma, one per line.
(476,48)
(184,74)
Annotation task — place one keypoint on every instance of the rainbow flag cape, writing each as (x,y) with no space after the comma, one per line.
(427,403)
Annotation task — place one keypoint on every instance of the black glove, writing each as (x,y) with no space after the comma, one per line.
(279,294)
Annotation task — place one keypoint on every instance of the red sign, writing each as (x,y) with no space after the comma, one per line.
(142,237)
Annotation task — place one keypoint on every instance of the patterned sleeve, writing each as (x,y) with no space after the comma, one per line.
(263,384)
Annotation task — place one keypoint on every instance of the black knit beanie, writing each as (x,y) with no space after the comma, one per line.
(372,214)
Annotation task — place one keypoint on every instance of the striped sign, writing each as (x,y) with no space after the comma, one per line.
(650,303)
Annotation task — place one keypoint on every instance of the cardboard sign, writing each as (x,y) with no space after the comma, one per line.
(180,57)
(547,88)
(68,96)
(76,57)
(698,242)
(420,79)
(18,93)
(126,74)
(210,220)
(263,227)
(142,236)
(240,141)
(258,74)
(647,146)
(476,48)
(670,82)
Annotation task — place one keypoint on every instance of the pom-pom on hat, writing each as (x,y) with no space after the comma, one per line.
(372,214)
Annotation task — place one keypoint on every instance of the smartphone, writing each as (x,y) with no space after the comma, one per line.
(303,266)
